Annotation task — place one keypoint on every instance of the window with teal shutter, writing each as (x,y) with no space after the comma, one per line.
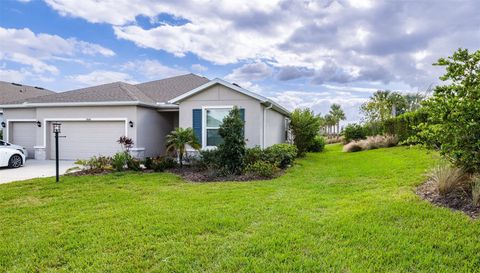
(197,124)
(242,116)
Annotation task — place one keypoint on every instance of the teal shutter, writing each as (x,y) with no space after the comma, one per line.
(197,124)
(242,116)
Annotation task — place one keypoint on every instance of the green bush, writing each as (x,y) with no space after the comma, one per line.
(95,163)
(209,159)
(353,132)
(148,163)
(133,164)
(253,155)
(162,163)
(305,126)
(262,169)
(119,161)
(232,150)
(453,123)
(281,155)
(318,144)
(406,126)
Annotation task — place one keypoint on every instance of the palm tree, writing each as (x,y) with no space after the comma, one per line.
(328,123)
(337,114)
(179,138)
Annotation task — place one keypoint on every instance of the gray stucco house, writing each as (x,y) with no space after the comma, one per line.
(94,118)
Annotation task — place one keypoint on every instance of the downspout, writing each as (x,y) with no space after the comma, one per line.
(265,124)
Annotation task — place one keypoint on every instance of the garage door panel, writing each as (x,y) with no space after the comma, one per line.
(24,134)
(84,139)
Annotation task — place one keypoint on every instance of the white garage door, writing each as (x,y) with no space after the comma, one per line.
(84,139)
(24,134)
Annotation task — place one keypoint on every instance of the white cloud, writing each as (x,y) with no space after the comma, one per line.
(38,50)
(341,41)
(100,77)
(199,67)
(152,69)
(250,72)
(10,75)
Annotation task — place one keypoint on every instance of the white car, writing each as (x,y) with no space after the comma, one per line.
(4,144)
(11,158)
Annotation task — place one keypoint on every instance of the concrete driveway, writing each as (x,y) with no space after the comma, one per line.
(33,169)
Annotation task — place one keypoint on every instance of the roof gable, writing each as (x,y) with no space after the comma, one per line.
(260,98)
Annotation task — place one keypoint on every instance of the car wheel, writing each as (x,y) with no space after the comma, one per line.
(15,161)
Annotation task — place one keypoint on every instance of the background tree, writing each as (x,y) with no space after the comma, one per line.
(232,150)
(305,126)
(383,105)
(338,115)
(178,140)
(329,123)
(453,123)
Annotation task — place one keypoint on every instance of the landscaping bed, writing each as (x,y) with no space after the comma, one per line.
(455,200)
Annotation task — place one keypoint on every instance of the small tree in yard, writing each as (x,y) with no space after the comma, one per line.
(453,123)
(232,150)
(178,139)
(305,126)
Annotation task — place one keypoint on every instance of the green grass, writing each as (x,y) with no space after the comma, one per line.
(333,211)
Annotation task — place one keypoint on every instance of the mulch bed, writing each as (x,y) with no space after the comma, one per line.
(457,200)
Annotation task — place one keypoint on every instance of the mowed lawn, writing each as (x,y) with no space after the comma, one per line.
(333,212)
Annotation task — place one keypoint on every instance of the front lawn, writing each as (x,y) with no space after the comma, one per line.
(333,211)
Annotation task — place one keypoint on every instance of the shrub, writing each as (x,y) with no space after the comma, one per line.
(318,144)
(372,142)
(163,163)
(353,132)
(148,163)
(232,150)
(94,164)
(352,147)
(448,178)
(209,159)
(133,164)
(305,126)
(262,169)
(453,124)
(253,155)
(119,161)
(281,155)
(476,191)
(126,143)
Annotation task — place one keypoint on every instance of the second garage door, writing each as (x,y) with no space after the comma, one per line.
(24,134)
(84,139)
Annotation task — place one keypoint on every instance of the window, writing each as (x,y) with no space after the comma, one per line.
(214,118)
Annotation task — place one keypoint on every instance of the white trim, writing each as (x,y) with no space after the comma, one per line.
(204,123)
(7,128)
(125,120)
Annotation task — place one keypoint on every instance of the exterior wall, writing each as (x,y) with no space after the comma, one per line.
(275,128)
(152,129)
(129,113)
(219,95)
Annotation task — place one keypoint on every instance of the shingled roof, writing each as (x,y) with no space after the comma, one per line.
(149,92)
(10,92)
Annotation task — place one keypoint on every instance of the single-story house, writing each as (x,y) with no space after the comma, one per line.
(92,119)
(10,92)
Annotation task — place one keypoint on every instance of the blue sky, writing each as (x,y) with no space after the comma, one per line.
(300,53)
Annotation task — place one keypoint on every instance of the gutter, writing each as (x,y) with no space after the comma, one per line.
(264,139)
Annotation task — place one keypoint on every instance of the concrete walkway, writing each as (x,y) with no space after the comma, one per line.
(33,169)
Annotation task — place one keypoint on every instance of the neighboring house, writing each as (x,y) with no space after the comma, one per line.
(94,118)
(10,91)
